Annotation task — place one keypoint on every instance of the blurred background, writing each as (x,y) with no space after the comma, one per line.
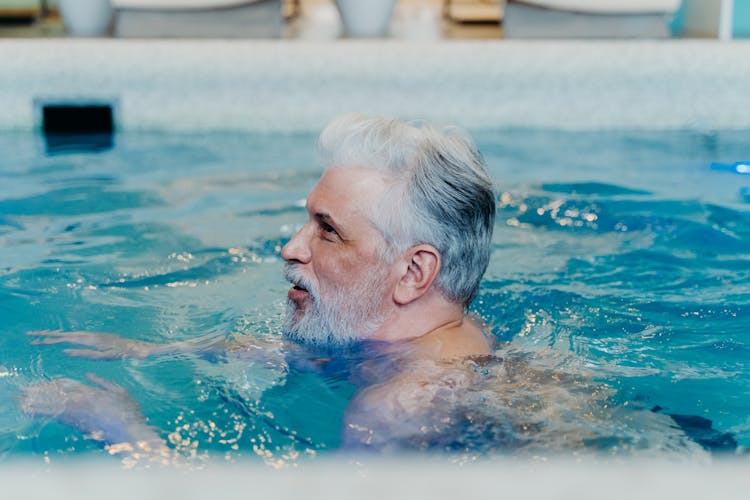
(400,19)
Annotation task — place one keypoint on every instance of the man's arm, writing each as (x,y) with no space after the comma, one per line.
(98,345)
(102,345)
(412,410)
(104,412)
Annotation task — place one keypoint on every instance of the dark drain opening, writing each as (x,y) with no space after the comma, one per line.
(77,119)
(77,127)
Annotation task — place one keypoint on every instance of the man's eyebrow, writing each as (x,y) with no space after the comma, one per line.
(324,217)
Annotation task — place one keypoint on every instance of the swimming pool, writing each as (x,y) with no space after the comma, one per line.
(621,255)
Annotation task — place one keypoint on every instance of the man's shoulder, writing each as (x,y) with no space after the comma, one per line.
(423,394)
(459,342)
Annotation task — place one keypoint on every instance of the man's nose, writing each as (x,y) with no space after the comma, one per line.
(298,248)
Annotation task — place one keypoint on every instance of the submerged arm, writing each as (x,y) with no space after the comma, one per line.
(412,410)
(104,412)
(98,345)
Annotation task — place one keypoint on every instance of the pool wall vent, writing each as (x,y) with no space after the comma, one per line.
(77,125)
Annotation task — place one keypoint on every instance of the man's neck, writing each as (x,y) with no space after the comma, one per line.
(429,314)
(434,329)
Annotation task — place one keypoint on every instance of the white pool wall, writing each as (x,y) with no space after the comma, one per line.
(287,85)
(388,479)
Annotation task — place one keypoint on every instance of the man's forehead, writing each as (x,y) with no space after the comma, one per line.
(343,191)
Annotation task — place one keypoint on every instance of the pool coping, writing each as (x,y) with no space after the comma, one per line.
(395,477)
(282,85)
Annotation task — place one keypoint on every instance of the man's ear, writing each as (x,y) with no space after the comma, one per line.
(421,267)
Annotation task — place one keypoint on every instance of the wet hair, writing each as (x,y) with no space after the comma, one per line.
(439,192)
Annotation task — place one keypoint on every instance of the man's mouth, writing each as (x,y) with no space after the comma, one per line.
(298,293)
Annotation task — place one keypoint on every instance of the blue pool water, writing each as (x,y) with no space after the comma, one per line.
(621,255)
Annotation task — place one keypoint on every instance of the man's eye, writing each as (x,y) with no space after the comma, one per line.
(328,230)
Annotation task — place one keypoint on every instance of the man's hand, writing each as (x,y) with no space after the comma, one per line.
(103,345)
(111,346)
(104,413)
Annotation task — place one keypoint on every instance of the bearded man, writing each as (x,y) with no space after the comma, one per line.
(397,239)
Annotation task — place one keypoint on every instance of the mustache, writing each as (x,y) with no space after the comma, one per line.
(294,275)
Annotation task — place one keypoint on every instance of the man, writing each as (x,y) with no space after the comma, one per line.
(397,239)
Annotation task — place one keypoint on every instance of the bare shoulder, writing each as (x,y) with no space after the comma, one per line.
(467,338)
(407,408)
(399,412)
(427,363)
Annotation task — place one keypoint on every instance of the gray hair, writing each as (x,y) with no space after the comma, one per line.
(439,194)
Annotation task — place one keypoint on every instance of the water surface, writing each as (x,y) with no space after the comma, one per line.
(624,256)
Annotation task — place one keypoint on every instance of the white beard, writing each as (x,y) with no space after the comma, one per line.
(349,315)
